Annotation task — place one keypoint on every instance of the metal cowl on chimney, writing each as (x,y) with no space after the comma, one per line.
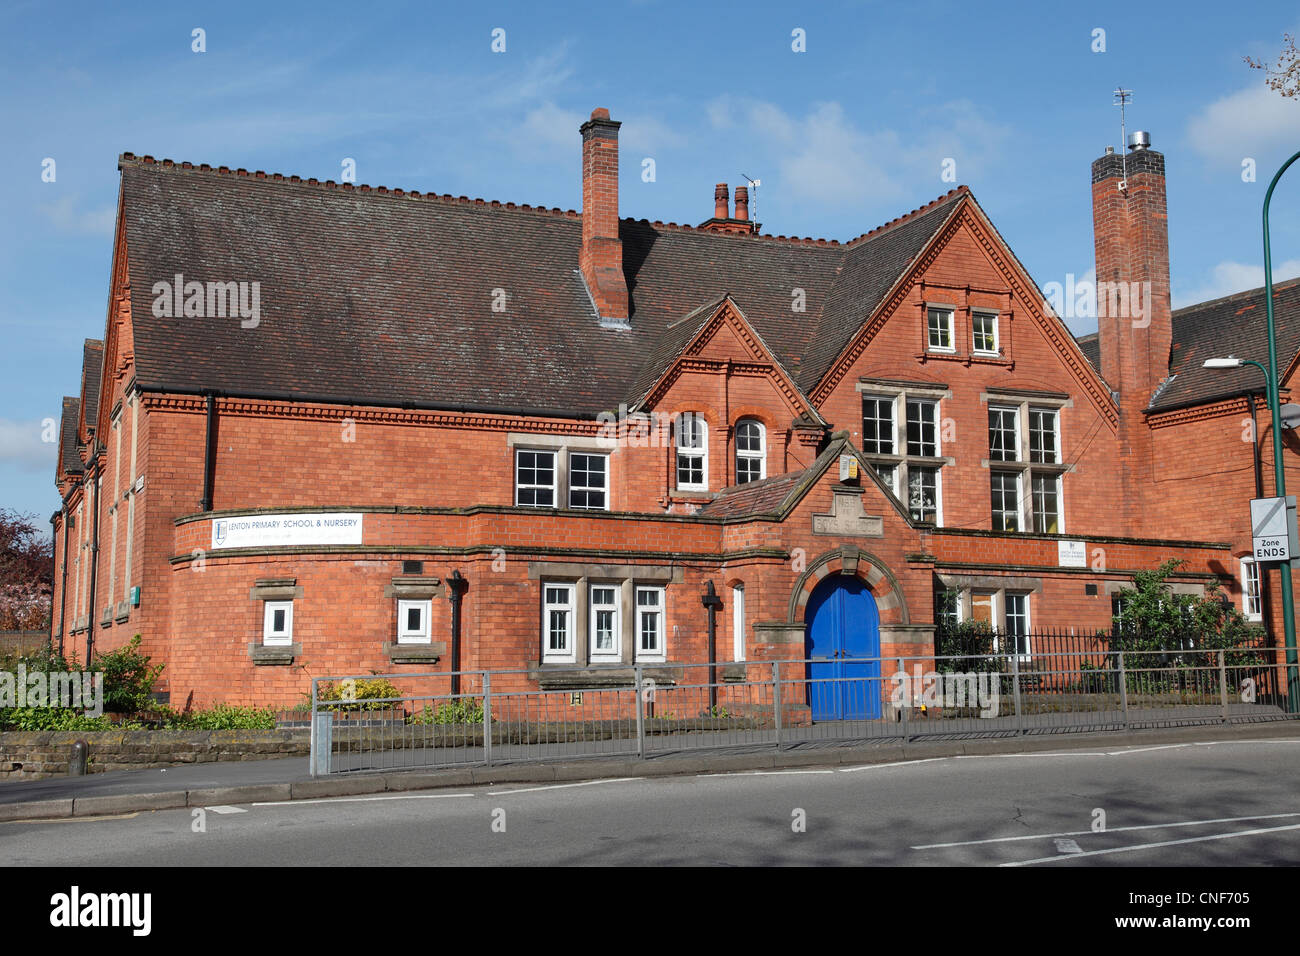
(1139,139)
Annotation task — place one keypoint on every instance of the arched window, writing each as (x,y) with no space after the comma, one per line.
(692,452)
(751,451)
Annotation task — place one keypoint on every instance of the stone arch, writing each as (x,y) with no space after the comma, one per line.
(849,559)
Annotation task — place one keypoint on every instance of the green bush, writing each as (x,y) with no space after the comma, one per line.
(50,718)
(466,710)
(128,678)
(968,646)
(222,717)
(359,694)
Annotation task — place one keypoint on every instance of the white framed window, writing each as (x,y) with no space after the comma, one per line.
(1044,442)
(947,607)
(889,475)
(557,623)
(606,637)
(738,622)
(1047,503)
(535,478)
(1006,500)
(922,428)
(1004,433)
(938,324)
(751,451)
(1251,604)
(879,431)
(413,622)
(588,481)
(277,623)
(984,333)
(1017,622)
(692,452)
(650,643)
(923,494)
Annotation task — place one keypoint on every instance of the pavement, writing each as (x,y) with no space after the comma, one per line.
(250,781)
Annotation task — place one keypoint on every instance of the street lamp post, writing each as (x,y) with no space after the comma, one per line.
(1279,467)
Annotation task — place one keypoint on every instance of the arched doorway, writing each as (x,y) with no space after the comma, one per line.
(842,625)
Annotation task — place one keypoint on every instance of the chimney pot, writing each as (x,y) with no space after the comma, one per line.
(742,203)
(721,202)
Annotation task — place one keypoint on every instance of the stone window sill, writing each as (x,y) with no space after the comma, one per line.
(274,654)
(429,653)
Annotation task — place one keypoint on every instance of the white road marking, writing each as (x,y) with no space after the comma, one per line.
(762,773)
(1048,753)
(1153,846)
(1073,833)
(226,809)
(899,763)
(1142,750)
(561,786)
(394,796)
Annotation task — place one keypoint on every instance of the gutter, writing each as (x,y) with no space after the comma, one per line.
(357,400)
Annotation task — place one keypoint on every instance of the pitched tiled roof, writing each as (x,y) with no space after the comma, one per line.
(92,364)
(387,297)
(69,460)
(1091,348)
(1233,325)
(755,497)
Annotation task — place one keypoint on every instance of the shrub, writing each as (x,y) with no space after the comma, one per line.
(50,718)
(362,694)
(968,647)
(128,678)
(465,710)
(222,717)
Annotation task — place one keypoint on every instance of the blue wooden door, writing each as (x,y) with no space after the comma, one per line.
(843,626)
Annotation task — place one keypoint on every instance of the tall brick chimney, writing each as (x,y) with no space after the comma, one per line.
(1130,226)
(601,258)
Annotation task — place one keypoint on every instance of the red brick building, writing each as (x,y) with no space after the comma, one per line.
(340,429)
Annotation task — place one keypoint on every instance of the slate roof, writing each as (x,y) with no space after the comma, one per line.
(386,297)
(92,365)
(755,497)
(1234,325)
(69,460)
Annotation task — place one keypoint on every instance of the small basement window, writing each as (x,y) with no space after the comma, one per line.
(277,623)
(413,622)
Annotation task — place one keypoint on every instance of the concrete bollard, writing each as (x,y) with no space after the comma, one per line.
(77,761)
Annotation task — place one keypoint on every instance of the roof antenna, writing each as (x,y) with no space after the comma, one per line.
(1121,99)
(753,196)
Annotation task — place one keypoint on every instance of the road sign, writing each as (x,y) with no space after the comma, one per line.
(1273,527)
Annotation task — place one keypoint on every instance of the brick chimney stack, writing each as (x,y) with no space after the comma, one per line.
(721,202)
(601,259)
(1131,237)
(742,203)
(1130,225)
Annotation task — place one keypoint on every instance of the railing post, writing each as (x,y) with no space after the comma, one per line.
(640,711)
(904,692)
(1223,684)
(487,718)
(1123,689)
(1015,689)
(776,700)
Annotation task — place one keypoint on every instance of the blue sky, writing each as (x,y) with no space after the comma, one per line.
(844,136)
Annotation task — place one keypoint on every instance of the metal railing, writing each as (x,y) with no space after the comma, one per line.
(477,718)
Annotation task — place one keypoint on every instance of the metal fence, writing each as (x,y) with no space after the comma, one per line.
(475,718)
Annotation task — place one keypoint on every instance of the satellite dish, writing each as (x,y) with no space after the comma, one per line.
(1290,414)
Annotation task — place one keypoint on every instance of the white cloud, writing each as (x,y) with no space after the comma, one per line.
(1228,277)
(1244,124)
(826,156)
(67,217)
(22,444)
